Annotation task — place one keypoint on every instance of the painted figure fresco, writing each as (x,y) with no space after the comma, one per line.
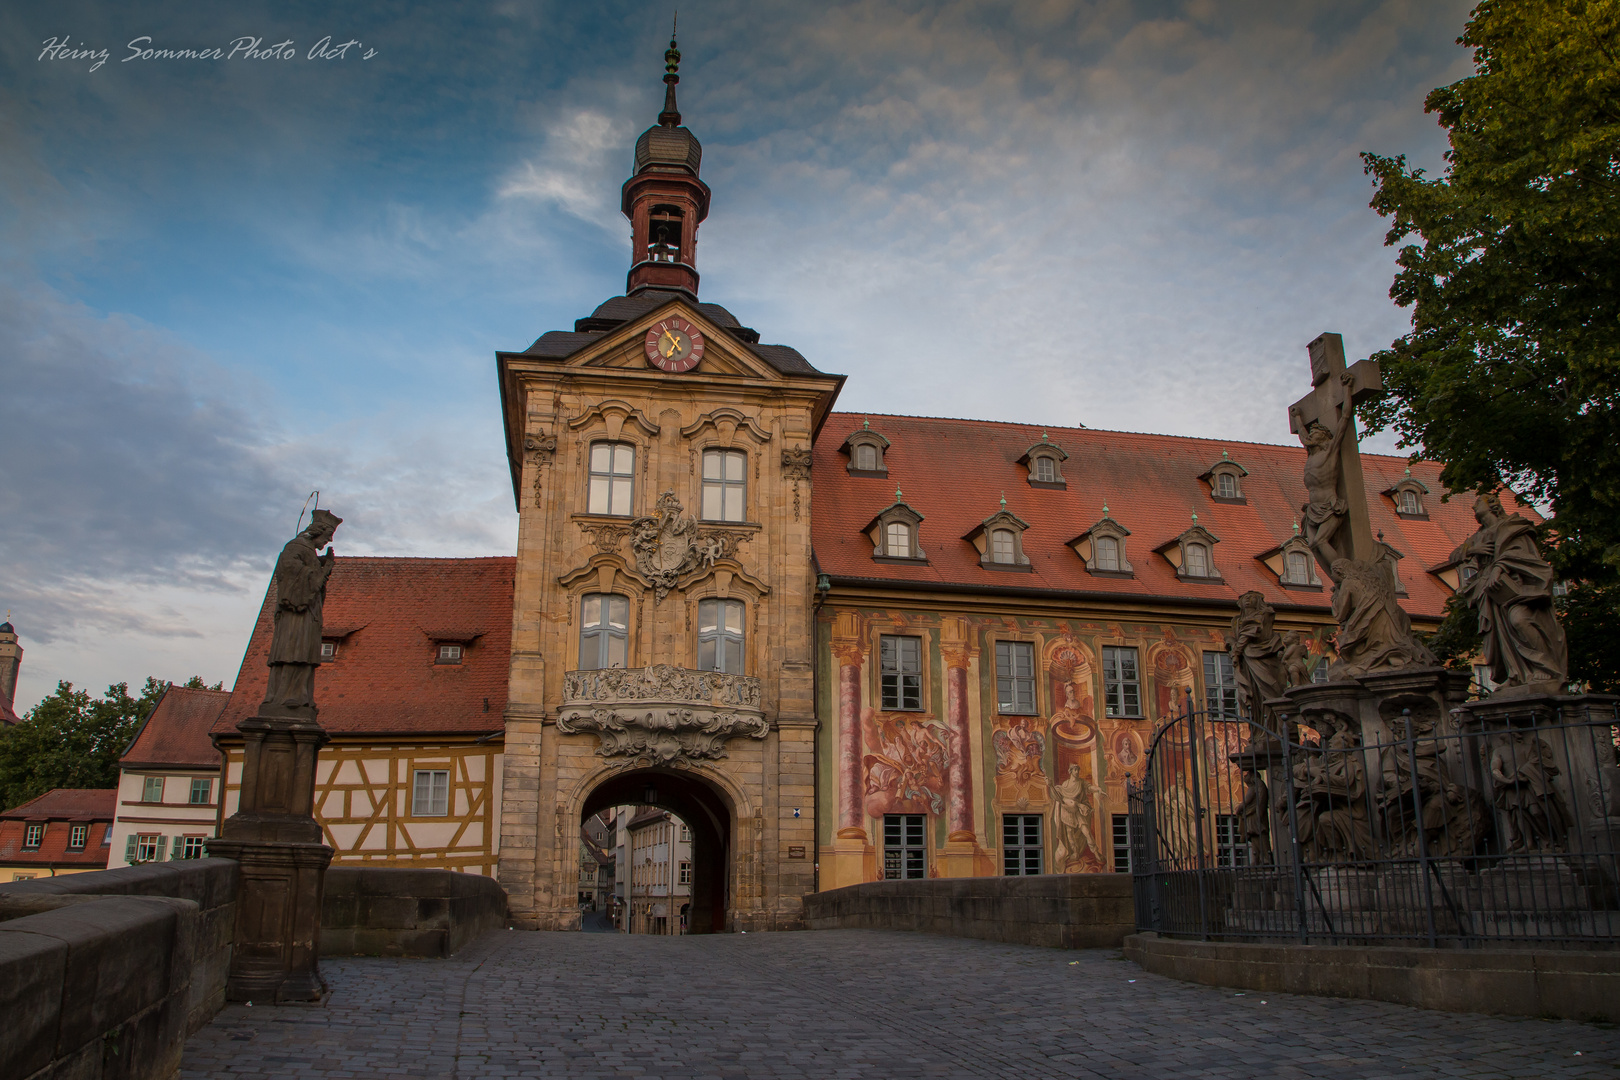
(1070,669)
(1074,849)
(1020,746)
(1171,663)
(905,765)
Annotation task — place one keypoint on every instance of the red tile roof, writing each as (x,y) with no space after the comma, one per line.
(385,679)
(955,472)
(177,731)
(8,715)
(58,811)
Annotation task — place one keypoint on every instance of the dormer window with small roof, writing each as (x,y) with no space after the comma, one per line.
(866,450)
(1294,564)
(1225,480)
(1103,548)
(1392,559)
(1000,541)
(1193,554)
(1045,461)
(894,532)
(1407,495)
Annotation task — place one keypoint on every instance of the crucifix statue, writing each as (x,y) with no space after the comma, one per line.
(1337,525)
(1374,633)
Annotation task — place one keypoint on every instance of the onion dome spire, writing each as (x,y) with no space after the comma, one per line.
(671,116)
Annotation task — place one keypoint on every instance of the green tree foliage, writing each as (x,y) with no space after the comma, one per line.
(1510,263)
(73,740)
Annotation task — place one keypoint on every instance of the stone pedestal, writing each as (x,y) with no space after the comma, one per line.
(963,857)
(277,843)
(850,861)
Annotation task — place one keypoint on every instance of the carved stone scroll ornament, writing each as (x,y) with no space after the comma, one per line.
(668,544)
(541,449)
(605,537)
(796,467)
(661,714)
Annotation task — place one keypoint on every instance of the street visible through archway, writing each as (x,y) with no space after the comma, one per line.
(635,872)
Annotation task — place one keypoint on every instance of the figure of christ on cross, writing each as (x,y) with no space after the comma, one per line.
(1337,524)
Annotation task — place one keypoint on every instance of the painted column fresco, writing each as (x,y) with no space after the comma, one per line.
(959,769)
(850,820)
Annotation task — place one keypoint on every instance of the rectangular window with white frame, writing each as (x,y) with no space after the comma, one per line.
(191,847)
(1122,682)
(1020,844)
(1015,676)
(1220,685)
(900,675)
(145,848)
(449,654)
(904,852)
(725,485)
(33,835)
(78,837)
(604,631)
(612,480)
(430,793)
(720,636)
(152,789)
(686,872)
(1122,843)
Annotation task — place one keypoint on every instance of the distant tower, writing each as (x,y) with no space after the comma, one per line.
(665,201)
(10,662)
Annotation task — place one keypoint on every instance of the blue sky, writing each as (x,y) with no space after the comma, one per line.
(224,283)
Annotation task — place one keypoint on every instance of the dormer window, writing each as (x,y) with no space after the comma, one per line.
(449,654)
(1103,548)
(1407,496)
(1391,559)
(1193,554)
(1294,564)
(1196,562)
(1225,479)
(1107,553)
(894,532)
(1000,541)
(1003,546)
(328,651)
(866,450)
(1045,461)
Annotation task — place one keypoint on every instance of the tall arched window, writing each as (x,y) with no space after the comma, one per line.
(613,472)
(1197,561)
(1107,554)
(604,631)
(897,540)
(720,636)
(1045,470)
(1226,485)
(1409,502)
(1299,568)
(866,457)
(725,485)
(1002,546)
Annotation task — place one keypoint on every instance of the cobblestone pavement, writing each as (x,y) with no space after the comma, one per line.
(848,1004)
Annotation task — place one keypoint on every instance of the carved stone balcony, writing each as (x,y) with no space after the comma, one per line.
(661,714)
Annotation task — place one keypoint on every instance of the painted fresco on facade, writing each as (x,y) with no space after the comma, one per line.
(906,763)
(1020,746)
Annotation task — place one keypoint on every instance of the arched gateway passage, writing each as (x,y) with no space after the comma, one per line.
(705,810)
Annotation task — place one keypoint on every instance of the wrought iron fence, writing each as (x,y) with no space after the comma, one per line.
(1408,829)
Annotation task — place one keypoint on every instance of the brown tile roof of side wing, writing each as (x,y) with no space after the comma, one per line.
(955,472)
(386,613)
(177,731)
(67,804)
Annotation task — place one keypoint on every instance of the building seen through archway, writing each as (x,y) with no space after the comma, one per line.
(644,871)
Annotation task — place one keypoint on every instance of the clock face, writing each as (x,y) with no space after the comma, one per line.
(674,345)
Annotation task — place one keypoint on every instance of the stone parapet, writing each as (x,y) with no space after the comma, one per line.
(1064,911)
(378,911)
(1566,984)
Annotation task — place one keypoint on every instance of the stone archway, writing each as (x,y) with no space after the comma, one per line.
(707,811)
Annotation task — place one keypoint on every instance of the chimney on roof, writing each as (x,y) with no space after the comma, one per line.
(10,664)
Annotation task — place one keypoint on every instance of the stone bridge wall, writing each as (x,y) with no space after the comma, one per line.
(369,911)
(1064,911)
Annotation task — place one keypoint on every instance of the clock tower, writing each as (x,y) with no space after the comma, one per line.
(662,641)
(665,200)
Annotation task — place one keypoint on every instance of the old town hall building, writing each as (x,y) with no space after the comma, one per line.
(839,647)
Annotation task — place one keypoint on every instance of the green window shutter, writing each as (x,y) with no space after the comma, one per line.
(129,849)
(163,844)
